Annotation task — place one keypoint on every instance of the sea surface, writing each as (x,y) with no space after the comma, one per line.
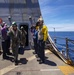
(61,42)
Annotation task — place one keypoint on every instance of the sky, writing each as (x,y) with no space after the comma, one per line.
(58,14)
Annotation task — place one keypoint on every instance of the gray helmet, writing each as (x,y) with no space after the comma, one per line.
(22,28)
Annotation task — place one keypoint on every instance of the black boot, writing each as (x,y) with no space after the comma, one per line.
(16,62)
(9,53)
(5,57)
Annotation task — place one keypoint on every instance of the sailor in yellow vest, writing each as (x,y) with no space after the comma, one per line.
(42,37)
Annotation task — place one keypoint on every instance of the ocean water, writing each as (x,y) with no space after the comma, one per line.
(61,42)
(69,35)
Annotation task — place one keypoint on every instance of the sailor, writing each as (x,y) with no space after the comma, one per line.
(23,36)
(42,37)
(33,30)
(8,41)
(0,39)
(4,42)
(36,39)
(15,37)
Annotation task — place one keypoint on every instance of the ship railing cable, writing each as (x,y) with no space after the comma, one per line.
(67,48)
(72,41)
(65,51)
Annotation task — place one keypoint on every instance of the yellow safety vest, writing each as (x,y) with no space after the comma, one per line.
(45,32)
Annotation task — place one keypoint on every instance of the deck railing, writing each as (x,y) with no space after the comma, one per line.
(67,49)
(64,48)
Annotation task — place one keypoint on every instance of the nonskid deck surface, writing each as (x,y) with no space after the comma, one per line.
(28,65)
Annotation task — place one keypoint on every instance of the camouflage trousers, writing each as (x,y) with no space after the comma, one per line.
(15,51)
(23,41)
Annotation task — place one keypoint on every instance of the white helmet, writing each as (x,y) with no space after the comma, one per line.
(40,19)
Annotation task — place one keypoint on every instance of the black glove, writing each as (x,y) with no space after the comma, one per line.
(43,42)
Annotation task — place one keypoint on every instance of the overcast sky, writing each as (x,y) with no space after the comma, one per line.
(58,14)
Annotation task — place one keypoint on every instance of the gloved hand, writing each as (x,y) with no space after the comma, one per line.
(43,42)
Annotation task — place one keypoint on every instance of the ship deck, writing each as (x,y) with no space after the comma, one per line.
(28,65)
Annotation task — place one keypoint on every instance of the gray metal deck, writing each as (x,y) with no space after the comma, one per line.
(28,65)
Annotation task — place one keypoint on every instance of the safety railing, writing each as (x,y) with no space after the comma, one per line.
(54,48)
(64,48)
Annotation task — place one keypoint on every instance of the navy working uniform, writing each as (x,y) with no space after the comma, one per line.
(4,38)
(35,38)
(15,37)
(23,37)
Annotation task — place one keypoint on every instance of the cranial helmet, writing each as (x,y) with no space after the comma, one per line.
(14,24)
(40,19)
(21,27)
